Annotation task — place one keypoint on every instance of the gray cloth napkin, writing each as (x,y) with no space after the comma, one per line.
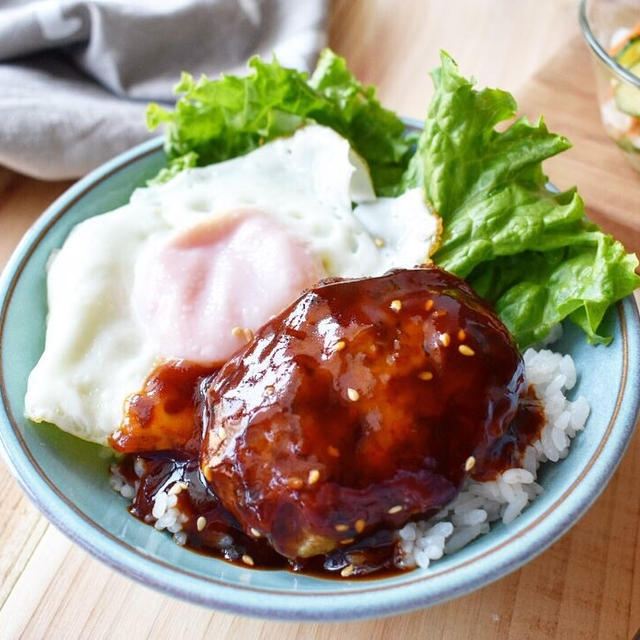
(75,76)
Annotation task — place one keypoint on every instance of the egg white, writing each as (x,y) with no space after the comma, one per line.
(97,352)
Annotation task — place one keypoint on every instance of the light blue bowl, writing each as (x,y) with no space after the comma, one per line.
(67,479)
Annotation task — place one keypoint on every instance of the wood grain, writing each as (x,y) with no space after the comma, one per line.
(587,585)
(608,184)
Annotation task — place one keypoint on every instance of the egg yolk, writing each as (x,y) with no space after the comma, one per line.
(201,293)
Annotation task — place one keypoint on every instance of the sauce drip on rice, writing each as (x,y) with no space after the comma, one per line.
(362,406)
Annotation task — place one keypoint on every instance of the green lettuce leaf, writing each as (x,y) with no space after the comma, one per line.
(534,290)
(522,245)
(219,119)
(525,247)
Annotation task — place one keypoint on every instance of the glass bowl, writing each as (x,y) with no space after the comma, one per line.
(606,26)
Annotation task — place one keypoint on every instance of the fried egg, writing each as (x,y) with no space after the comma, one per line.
(188,269)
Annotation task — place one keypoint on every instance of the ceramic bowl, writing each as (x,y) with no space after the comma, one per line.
(67,478)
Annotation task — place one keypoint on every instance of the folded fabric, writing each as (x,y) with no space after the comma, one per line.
(75,75)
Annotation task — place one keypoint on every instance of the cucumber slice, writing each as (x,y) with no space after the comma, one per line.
(630,55)
(628,96)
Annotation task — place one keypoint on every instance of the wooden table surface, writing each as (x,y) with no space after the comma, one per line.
(587,585)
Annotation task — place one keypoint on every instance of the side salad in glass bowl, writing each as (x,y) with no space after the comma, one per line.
(612,31)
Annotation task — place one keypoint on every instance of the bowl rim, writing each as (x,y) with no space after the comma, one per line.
(382,599)
(599,50)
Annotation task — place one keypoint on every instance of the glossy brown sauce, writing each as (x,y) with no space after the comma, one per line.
(423,407)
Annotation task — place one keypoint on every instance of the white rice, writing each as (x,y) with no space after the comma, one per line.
(165,513)
(479,504)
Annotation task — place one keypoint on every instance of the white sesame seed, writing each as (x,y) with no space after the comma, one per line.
(445,339)
(239,332)
(295,482)
(347,571)
(396,305)
(255,533)
(466,350)
(201,523)
(379,242)
(340,345)
(353,395)
(247,559)
(470,463)
(396,509)
(314,476)
(175,489)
